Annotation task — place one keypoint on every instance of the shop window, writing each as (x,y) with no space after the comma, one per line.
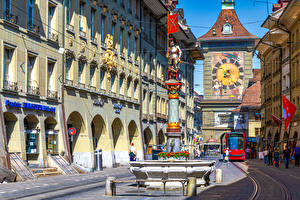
(52,141)
(32,141)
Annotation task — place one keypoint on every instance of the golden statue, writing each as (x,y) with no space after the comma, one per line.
(109,58)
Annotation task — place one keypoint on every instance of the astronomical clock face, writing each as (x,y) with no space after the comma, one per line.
(229,74)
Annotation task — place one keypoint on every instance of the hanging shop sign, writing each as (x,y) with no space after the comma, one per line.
(118,108)
(29,106)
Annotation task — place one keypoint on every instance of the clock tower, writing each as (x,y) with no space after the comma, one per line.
(228,48)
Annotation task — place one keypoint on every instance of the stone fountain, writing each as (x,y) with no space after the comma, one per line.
(174,168)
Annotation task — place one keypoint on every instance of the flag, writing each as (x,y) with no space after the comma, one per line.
(173,24)
(289,110)
(276,120)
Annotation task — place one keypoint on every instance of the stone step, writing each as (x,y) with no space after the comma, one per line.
(45,174)
(44,170)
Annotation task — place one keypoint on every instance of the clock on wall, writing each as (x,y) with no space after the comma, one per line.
(229,73)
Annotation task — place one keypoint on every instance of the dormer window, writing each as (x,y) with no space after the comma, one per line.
(227,29)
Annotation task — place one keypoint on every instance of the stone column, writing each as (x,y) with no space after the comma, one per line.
(174,133)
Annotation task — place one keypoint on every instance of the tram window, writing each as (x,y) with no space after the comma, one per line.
(236,142)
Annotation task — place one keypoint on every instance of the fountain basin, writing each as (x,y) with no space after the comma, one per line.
(177,169)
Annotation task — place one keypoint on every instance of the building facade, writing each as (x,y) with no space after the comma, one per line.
(228,49)
(30,78)
(93,66)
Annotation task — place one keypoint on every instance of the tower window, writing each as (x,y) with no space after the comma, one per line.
(227,29)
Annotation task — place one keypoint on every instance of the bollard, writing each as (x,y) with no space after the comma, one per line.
(110,189)
(191,187)
(219,177)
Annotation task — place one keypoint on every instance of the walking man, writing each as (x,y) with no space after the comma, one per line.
(286,156)
(270,156)
(265,153)
(297,155)
(276,157)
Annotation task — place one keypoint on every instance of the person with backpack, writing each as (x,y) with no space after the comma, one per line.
(296,155)
(286,156)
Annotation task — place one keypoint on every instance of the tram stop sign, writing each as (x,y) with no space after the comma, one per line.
(72,131)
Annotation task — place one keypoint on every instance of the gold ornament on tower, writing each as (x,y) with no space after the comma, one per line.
(109,57)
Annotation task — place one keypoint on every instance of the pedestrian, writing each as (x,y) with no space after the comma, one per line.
(266,153)
(276,157)
(132,152)
(227,155)
(270,156)
(247,153)
(286,156)
(296,154)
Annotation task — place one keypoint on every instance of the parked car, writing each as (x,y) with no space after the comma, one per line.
(7,175)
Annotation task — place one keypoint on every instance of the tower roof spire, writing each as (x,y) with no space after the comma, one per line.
(228,4)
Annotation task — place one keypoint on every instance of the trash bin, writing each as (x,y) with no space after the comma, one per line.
(98,155)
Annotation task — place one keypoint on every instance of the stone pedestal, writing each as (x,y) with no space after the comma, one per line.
(173,141)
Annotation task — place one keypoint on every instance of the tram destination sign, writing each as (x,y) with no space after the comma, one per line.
(29,106)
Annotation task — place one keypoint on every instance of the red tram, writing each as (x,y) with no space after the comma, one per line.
(235,141)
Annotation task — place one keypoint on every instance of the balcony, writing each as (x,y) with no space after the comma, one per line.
(53,37)
(82,33)
(52,94)
(33,90)
(70,28)
(93,88)
(81,85)
(94,40)
(10,86)
(34,28)
(69,82)
(11,18)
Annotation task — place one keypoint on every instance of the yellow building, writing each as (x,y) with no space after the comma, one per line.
(30,78)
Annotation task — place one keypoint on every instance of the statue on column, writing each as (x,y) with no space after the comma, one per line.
(173,54)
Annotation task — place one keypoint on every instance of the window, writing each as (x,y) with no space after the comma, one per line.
(112,82)
(113,33)
(30,13)
(50,79)
(7,9)
(92,74)
(135,89)
(128,87)
(227,29)
(80,71)
(121,85)
(102,74)
(129,6)
(102,28)
(68,4)
(81,15)
(8,68)
(135,7)
(128,45)
(93,12)
(30,71)
(51,21)
(121,41)
(134,48)
(150,28)
(68,69)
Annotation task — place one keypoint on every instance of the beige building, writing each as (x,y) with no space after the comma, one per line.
(31,78)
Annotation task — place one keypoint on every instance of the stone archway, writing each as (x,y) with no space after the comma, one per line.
(80,144)
(134,136)
(32,132)
(148,137)
(51,135)
(161,138)
(120,142)
(12,132)
(99,133)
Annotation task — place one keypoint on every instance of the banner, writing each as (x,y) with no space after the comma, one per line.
(289,110)
(173,24)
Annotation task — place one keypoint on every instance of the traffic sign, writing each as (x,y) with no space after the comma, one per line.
(72,131)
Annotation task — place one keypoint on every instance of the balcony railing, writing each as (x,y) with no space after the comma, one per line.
(92,88)
(11,18)
(52,94)
(69,82)
(70,27)
(81,85)
(10,86)
(82,33)
(33,90)
(34,28)
(53,36)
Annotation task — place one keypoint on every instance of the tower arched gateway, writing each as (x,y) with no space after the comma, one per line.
(228,49)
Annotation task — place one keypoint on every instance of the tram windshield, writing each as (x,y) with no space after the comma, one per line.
(236,142)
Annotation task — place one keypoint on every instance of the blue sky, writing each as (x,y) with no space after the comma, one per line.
(202,14)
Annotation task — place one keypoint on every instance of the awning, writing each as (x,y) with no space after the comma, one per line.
(157,7)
